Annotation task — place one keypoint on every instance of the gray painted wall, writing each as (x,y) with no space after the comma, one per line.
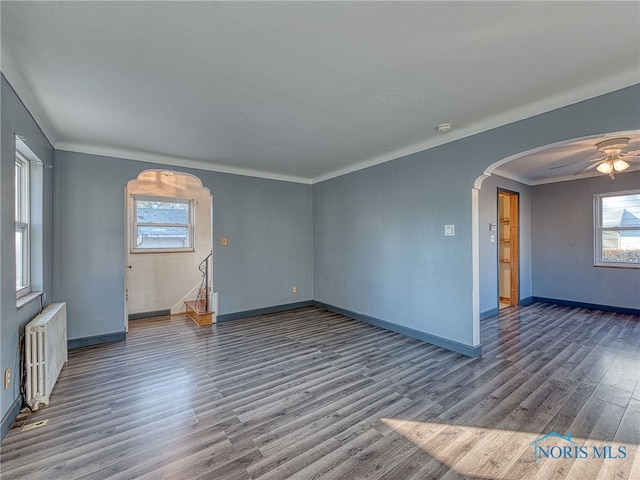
(379,248)
(487,214)
(563,239)
(16,119)
(268,224)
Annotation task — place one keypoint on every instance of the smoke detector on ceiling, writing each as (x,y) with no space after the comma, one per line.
(444,128)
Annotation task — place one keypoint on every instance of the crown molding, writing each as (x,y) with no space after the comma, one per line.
(175,161)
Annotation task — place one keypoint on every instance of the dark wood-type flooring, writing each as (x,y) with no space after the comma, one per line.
(310,394)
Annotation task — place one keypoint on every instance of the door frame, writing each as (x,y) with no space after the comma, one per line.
(127,232)
(514,237)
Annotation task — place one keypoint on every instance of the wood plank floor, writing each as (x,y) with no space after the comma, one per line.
(309,394)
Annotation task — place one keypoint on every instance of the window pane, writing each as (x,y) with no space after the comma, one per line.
(18,190)
(621,246)
(621,211)
(22,222)
(162,237)
(162,212)
(20,280)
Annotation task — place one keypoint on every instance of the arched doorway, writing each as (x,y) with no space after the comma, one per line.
(168,225)
(572,159)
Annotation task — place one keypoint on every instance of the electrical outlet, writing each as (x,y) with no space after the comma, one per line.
(7,378)
(294,289)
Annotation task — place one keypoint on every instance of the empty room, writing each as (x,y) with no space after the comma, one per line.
(319,240)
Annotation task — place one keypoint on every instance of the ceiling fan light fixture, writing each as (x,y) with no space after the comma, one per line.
(620,165)
(613,162)
(605,167)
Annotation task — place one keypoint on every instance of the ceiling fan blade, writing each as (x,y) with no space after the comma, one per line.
(587,168)
(577,163)
(634,153)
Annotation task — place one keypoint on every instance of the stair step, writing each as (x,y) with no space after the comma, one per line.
(201,319)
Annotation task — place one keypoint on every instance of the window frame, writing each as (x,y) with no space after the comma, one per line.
(22,223)
(598,230)
(134,224)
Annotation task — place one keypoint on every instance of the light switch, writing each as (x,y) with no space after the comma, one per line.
(449,230)
(493,239)
(224,241)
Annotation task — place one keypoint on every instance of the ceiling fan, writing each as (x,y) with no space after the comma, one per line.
(612,160)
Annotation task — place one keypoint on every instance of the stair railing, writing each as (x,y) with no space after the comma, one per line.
(203,301)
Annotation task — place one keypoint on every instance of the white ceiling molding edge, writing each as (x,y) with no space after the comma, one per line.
(568,178)
(510,176)
(174,161)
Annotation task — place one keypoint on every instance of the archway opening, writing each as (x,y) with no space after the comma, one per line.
(168,225)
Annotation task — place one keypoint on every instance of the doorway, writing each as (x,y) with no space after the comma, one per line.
(168,234)
(508,248)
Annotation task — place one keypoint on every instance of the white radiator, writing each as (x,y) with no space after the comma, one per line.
(45,352)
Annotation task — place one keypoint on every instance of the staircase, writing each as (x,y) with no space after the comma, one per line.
(200,310)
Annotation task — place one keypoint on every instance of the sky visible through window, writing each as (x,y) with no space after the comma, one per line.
(613,211)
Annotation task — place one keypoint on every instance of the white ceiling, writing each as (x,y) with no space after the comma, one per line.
(304,90)
(567,160)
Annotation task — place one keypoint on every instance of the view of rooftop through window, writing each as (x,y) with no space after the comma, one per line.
(162,224)
(620,228)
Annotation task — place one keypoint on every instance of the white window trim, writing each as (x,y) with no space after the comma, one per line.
(598,229)
(22,222)
(133,224)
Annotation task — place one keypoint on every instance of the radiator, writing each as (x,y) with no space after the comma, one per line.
(45,353)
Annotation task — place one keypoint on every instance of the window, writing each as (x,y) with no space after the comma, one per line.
(22,225)
(161,224)
(617,229)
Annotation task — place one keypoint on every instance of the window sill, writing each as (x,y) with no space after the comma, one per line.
(27,299)
(136,251)
(616,265)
